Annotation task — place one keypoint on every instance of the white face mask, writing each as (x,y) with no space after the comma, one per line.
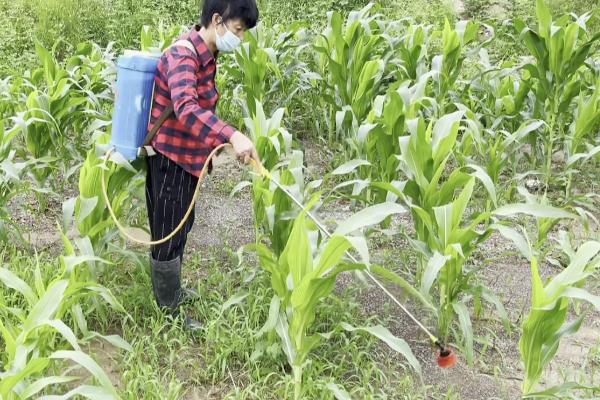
(228,42)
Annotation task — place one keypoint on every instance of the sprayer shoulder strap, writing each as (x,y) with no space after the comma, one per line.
(166,114)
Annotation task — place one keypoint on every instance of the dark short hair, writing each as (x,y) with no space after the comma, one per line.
(245,10)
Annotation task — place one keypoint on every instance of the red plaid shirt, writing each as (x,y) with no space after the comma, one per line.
(187,80)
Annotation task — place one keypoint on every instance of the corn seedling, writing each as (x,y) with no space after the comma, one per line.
(447,66)
(377,143)
(302,276)
(546,216)
(65,99)
(412,49)
(36,339)
(445,234)
(560,48)
(351,64)
(267,67)
(91,215)
(156,40)
(500,152)
(271,206)
(547,322)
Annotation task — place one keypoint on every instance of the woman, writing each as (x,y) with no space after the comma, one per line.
(185,83)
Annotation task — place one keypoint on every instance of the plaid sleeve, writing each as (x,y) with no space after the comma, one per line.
(181,79)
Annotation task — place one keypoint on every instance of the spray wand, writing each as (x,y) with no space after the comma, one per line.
(446,356)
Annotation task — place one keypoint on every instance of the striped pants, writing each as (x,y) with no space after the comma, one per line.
(169,192)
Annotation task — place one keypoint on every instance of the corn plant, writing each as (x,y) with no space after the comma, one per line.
(377,144)
(156,40)
(547,322)
(446,67)
(351,63)
(88,212)
(560,48)
(302,276)
(445,234)
(65,99)
(36,338)
(274,146)
(579,146)
(10,171)
(499,151)
(411,44)
(546,215)
(499,95)
(268,68)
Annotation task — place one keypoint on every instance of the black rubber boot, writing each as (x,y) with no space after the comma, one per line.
(189,295)
(166,283)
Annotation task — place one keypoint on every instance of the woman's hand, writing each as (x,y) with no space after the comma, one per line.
(243,147)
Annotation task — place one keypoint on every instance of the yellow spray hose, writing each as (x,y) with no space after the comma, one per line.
(185,218)
(262,171)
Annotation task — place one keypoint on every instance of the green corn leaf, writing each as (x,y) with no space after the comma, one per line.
(464,319)
(40,384)
(10,344)
(307,296)
(298,253)
(525,129)
(534,210)
(395,343)
(518,240)
(45,308)
(445,132)
(434,265)
(559,392)
(85,207)
(33,367)
(114,340)
(271,322)
(339,392)
(487,182)
(576,270)
(91,366)
(444,217)
(68,210)
(544,18)
(64,330)
(360,245)
(578,294)
(369,216)
(282,328)
(71,262)
(87,391)
(335,249)
(461,203)
(396,279)
(492,298)
(349,166)
(551,345)
(269,262)
(14,282)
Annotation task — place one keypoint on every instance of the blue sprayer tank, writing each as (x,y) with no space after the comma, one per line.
(133,101)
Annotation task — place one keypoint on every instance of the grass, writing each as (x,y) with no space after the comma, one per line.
(168,363)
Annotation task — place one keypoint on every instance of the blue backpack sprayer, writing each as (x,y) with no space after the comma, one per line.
(130,137)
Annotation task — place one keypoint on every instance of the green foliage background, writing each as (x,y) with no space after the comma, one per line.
(120,21)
